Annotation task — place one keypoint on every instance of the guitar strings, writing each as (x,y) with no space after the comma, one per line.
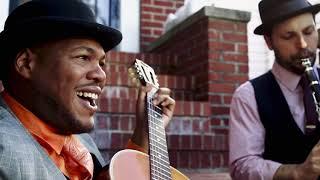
(159,160)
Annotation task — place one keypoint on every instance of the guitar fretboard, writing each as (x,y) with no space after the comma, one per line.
(158,151)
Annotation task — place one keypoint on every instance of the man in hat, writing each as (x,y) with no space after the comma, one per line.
(53,68)
(271,136)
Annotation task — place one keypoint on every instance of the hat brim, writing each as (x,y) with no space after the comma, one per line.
(42,29)
(263,28)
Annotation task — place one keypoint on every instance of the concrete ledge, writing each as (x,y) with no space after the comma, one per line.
(207,11)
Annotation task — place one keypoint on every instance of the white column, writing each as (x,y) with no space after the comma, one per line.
(130,25)
(4,4)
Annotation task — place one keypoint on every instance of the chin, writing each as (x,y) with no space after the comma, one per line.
(85,127)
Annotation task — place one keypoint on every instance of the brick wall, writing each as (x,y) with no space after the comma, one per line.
(153,15)
(211,47)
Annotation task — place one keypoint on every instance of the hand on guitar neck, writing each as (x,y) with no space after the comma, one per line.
(161,98)
(154,110)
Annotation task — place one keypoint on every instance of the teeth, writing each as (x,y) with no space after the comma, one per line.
(87,94)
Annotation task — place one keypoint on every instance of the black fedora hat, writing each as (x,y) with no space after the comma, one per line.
(40,20)
(274,11)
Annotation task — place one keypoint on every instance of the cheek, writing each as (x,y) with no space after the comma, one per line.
(313,42)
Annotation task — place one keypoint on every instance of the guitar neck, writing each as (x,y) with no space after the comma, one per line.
(158,151)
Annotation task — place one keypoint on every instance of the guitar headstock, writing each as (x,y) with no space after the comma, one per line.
(142,74)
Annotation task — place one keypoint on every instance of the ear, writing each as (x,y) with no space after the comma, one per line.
(25,63)
(268,41)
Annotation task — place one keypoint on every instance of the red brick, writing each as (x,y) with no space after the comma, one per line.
(173,156)
(146,23)
(205,109)
(187,108)
(206,126)
(243,68)
(195,159)
(195,127)
(213,35)
(145,1)
(124,123)
(145,16)
(234,37)
(205,159)
(174,141)
(215,99)
(115,105)
(207,142)
(235,58)
(183,159)
(185,142)
(241,27)
(242,48)
(221,67)
(157,32)
(152,9)
(178,108)
(197,142)
(168,11)
(221,88)
(214,76)
(215,122)
(163,3)
(220,110)
(148,39)
(161,18)
(219,143)
(227,99)
(235,78)
(114,122)
(116,140)
(216,160)
(221,25)
(221,46)
(197,108)
(145,31)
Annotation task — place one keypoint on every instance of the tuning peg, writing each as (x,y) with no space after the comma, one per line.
(130,70)
(131,73)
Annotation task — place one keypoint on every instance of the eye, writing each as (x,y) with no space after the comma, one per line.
(102,63)
(309,31)
(287,36)
(83,57)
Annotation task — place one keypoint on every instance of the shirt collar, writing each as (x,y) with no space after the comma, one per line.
(34,125)
(285,77)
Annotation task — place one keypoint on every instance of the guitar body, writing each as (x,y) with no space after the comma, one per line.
(134,165)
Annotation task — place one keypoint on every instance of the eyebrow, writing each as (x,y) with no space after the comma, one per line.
(90,50)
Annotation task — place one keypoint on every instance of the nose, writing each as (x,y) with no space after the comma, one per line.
(302,43)
(97,74)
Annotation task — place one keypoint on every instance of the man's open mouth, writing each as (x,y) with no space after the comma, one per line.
(88,96)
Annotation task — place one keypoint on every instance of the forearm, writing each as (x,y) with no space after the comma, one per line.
(140,138)
(288,171)
(297,171)
(253,168)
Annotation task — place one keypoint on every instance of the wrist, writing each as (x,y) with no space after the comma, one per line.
(297,172)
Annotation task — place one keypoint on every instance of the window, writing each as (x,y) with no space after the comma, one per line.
(122,15)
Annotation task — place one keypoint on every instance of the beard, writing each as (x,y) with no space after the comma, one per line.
(58,116)
(294,63)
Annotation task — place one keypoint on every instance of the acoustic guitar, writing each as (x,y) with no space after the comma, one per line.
(134,165)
